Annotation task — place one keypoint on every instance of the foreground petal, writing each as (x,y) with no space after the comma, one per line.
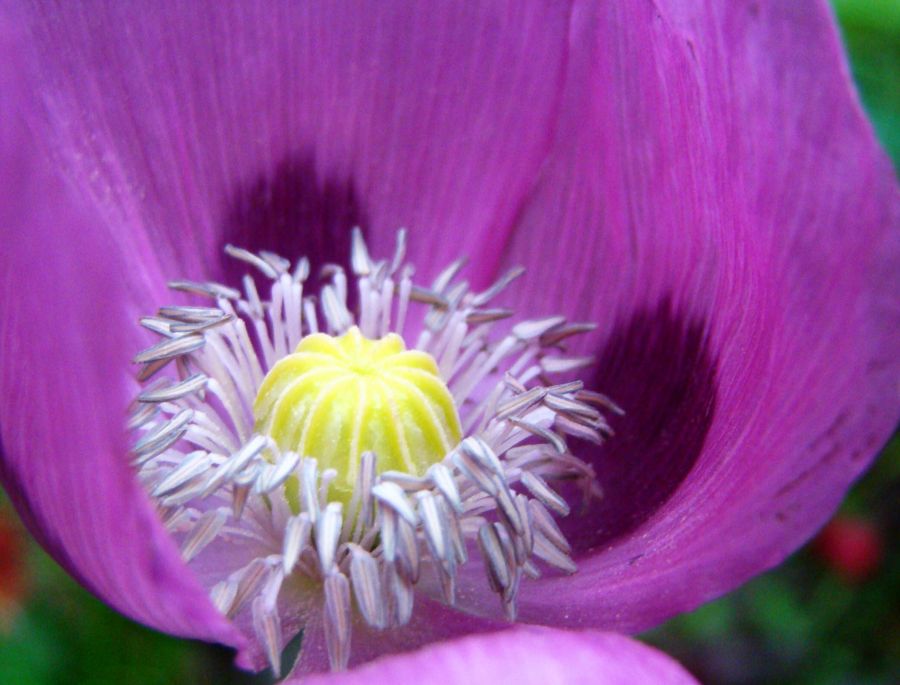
(67,311)
(432,621)
(280,125)
(526,656)
(716,200)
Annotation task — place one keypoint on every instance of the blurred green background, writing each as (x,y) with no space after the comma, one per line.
(829,616)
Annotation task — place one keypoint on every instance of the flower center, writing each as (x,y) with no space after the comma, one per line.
(337,397)
(320,468)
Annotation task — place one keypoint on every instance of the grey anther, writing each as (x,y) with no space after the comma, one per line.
(402,592)
(249,475)
(547,435)
(546,526)
(399,251)
(267,626)
(477,316)
(388,529)
(301,270)
(275,476)
(520,403)
(239,494)
(222,595)
(508,547)
(335,310)
(426,296)
(506,506)
(193,465)
(337,620)
(176,391)
(448,274)
(296,539)
(157,325)
(392,495)
(308,494)
(557,335)
(569,406)
(150,369)
(364,574)
(360,261)
(454,529)
(447,576)
(564,364)
(252,305)
(527,536)
(175,518)
(276,261)
(474,471)
(577,429)
(213,290)
(565,388)
(143,414)
(328,533)
(433,524)
(205,531)
(407,554)
(479,450)
(252,259)
(455,293)
(492,551)
(407,481)
(170,347)
(539,488)
(530,569)
(600,400)
(161,437)
(443,480)
(189,491)
(497,287)
(191,314)
(528,330)
(364,483)
(200,326)
(550,553)
(248,580)
(242,457)
(513,383)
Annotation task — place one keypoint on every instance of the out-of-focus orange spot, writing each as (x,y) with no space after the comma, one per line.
(13,580)
(852,547)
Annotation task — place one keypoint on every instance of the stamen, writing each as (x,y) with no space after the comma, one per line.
(355,465)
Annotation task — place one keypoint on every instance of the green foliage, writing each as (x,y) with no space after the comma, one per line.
(802,624)
(871,30)
(63,635)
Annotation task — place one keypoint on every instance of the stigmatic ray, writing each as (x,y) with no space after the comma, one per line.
(303,453)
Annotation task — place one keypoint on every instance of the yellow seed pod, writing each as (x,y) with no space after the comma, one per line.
(337,397)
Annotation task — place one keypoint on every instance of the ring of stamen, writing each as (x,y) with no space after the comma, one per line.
(360,523)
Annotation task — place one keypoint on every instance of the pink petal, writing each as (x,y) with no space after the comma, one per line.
(281,125)
(69,291)
(717,202)
(525,656)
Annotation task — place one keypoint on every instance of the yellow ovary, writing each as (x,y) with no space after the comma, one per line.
(335,398)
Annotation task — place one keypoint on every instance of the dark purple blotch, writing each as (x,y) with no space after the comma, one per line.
(657,364)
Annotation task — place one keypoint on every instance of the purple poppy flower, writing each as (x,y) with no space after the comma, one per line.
(699,182)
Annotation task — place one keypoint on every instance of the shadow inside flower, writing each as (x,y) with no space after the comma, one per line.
(658,366)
